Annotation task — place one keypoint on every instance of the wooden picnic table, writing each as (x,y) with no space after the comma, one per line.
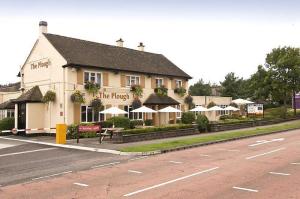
(108,132)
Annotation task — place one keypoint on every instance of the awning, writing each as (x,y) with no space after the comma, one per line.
(32,95)
(7,105)
(155,99)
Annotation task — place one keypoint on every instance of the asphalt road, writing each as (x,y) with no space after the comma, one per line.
(259,167)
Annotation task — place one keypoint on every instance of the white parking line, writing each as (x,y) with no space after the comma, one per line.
(23,152)
(230,150)
(169,182)
(133,171)
(80,184)
(57,174)
(175,162)
(245,189)
(204,155)
(103,165)
(3,146)
(296,163)
(138,158)
(255,156)
(282,174)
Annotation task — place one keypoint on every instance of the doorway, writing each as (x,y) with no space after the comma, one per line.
(22,117)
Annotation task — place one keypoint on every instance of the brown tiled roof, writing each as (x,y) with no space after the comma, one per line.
(32,95)
(7,105)
(90,54)
(10,87)
(155,99)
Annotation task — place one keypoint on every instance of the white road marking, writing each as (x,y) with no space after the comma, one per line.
(57,174)
(103,165)
(133,171)
(282,174)
(138,158)
(204,155)
(255,156)
(2,146)
(296,163)
(171,181)
(23,152)
(245,189)
(230,150)
(175,162)
(80,184)
(266,141)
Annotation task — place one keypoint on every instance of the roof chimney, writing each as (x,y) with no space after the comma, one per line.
(141,46)
(120,42)
(43,27)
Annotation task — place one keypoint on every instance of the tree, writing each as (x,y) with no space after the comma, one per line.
(231,86)
(284,73)
(200,89)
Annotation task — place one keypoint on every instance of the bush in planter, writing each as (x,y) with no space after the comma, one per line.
(180,91)
(149,122)
(77,98)
(137,90)
(161,91)
(120,122)
(188,118)
(92,87)
(96,104)
(50,96)
(203,123)
(134,123)
(7,124)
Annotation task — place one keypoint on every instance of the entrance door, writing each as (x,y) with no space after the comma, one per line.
(22,116)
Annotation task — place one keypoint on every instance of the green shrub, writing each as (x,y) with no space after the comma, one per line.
(106,124)
(188,118)
(50,96)
(203,123)
(149,122)
(211,104)
(178,121)
(157,129)
(120,122)
(134,123)
(7,124)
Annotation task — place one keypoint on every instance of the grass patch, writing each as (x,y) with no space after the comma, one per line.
(210,138)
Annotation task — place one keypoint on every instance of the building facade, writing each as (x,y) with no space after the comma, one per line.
(65,65)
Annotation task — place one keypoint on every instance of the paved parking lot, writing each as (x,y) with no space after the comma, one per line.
(259,167)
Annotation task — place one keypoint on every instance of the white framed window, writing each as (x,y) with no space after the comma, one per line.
(89,115)
(178,115)
(131,115)
(10,113)
(2,114)
(94,77)
(224,112)
(132,80)
(159,82)
(178,83)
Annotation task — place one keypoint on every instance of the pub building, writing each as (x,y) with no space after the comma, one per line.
(65,65)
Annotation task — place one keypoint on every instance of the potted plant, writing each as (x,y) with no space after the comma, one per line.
(96,104)
(161,91)
(180,91)
(92,87)
(77,97)
(137,90)
(50,96)
(189,101)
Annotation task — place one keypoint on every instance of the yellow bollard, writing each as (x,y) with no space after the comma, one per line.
(61,133)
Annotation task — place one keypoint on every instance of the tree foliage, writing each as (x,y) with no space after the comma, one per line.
(200,89)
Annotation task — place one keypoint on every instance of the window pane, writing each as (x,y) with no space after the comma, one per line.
(86,77)
(89,114)
(128,81)
(96,116)
(98,78)
(137,81)
(93,77)
(83,114)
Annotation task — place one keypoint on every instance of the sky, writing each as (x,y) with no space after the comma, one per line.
(206,39)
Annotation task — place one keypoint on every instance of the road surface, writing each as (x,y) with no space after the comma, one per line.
(258,167)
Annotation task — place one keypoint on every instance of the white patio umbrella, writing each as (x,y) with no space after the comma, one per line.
(231,108)
(169,109)
(215,108)
(144,109)
(242,101)
(113,111)
(199,109)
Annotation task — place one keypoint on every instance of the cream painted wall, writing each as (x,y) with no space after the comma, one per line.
(10,95)
(34,111)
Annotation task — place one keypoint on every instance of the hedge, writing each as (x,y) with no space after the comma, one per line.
(156,129)
(7,124)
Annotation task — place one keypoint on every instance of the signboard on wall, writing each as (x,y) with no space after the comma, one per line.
(44,63)
(257,109)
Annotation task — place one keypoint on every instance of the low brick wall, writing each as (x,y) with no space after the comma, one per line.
(122,138)
(233,126)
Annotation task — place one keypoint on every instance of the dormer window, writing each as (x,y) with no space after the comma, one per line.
(132,80)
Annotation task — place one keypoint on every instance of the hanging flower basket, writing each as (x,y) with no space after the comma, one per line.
(161,91)
(137,90)
(96,104)
(180,91)
(77,97)
(50,96)
(92,87)
(136,104)
(189,101)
